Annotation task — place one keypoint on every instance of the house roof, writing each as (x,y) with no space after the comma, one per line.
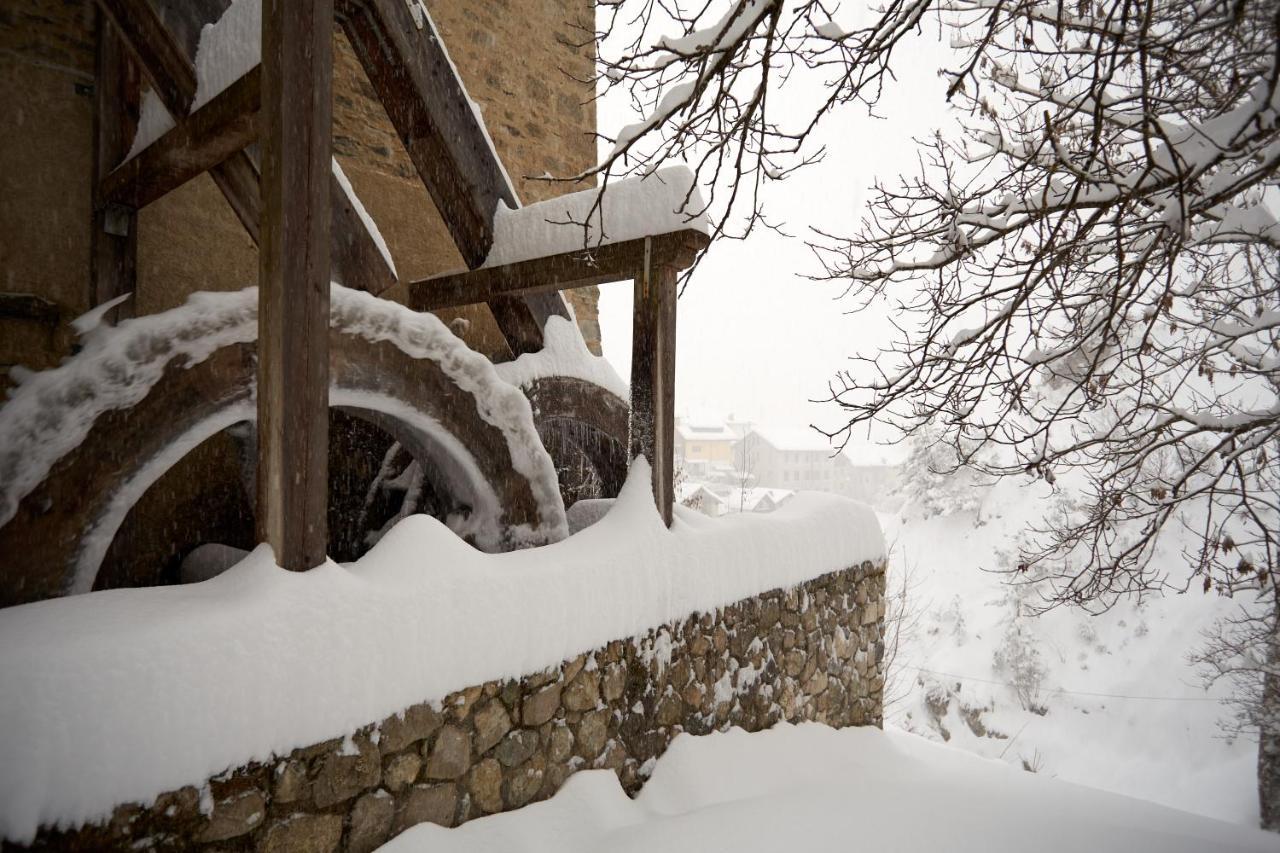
(705,431)
(753,498)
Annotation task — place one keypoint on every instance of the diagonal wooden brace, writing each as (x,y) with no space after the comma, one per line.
(445,138)
(204,137)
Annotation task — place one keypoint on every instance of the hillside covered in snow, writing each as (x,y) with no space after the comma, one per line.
(1111,701)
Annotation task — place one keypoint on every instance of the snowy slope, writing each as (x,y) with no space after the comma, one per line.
(1155,733)
(812,788)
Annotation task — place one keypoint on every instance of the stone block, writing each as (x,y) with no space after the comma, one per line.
(614,682)
(371,819)
(593,731)
(235,814)
(519,746)
(303,833)
(290,782)
(583,693)
(524,783)
(491,722)
(484,783)
(342,775)
(417,723)
(541,706)
(560,744)
(451,754)
(401,771)
(436,804)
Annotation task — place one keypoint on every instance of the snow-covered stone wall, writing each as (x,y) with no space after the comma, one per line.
(808,652)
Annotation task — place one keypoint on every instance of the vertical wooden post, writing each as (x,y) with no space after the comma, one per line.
(293,321)
(116,95)
(653,374)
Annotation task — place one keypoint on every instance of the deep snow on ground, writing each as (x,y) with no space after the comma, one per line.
(813,788)
(1169,749)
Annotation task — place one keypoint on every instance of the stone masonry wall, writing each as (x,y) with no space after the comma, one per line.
(809,653)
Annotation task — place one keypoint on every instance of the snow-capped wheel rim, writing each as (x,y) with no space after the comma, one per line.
(426,387)
(596,419)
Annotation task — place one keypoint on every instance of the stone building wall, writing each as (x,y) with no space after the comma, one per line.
(813,652)
(516,57)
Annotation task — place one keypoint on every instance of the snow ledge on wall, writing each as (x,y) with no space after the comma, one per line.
(259,661)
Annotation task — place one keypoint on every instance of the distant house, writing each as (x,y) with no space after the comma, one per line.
(797,459)
(704,500)
(759,499)
(788,458)
(701,445)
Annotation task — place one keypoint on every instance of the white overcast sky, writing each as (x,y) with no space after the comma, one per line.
(755,338)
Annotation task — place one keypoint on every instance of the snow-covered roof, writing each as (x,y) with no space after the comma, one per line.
(705,431)
(754,497)
(688,491)
(794,439)
(665,201)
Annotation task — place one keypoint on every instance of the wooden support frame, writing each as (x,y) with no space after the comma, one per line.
(653,372)
(357,262)
(198,143)
(173,78)
(288,105)
(293,313)
(114,242)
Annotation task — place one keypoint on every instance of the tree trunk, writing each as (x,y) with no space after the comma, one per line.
(1269,729)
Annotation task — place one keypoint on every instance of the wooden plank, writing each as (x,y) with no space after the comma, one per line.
(28,306)
(653,363)
(293,314)
(173,75)
(426,102)
(428,105)
(199,142)
(114,243)
(580,268)
(356,260)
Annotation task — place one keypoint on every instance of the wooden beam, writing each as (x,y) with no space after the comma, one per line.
(579,268)
(653,371)
(173,75)
(28,306)
(427,103)
(199,142)
(293,314)
(114,243)
(357,263)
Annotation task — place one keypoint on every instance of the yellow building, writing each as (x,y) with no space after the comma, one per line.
(700,445)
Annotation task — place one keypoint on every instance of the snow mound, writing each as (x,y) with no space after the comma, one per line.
(120,695)
(629,209)
(809,787)
(564,353)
